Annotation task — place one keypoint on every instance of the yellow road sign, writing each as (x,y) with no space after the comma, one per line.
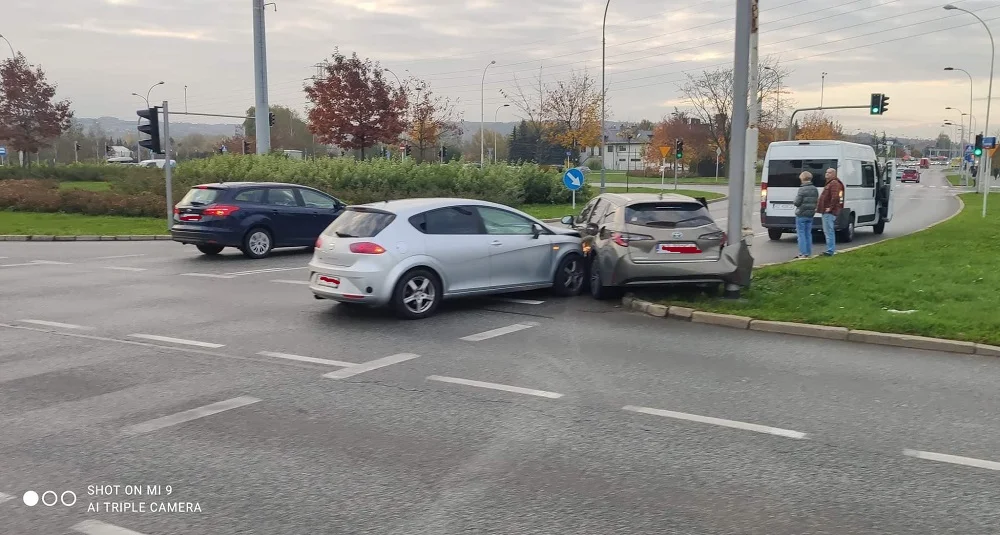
(664,151)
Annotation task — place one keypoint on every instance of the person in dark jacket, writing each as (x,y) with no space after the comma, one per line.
(831,202)
(805,209)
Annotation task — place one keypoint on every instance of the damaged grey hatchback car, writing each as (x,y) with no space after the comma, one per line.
(645,239)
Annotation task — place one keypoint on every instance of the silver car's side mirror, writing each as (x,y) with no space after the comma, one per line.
(567,220)
(536,230)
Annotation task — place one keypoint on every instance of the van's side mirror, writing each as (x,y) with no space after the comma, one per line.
(566,220)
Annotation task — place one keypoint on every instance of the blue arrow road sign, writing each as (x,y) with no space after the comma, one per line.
(573,179)
(3,151)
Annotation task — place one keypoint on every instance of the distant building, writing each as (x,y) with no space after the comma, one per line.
(119,151)
(622,153)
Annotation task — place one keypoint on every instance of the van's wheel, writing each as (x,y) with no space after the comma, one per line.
(774,234)
(569,276)
(257,243)
(879,227)
(846,234)
(210,249)
(417,294)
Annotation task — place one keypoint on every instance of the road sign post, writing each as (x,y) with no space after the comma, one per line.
(573,179)
(664,151)
(168,176)
(718,153)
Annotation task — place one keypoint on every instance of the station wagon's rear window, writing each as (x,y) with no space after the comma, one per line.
(200,196)
(668,215)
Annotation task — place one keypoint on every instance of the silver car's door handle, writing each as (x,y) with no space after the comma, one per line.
(496,243)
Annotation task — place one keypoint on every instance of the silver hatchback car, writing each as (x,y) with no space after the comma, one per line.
(413,253)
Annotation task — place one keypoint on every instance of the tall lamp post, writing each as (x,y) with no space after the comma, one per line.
(989,98)
(495,132)
(482,116)
(11,47)
(604,91)
(822,88)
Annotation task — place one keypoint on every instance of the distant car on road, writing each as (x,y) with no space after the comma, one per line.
(910,175)
(157,163)
(411,254)
(642,239)
(254,217)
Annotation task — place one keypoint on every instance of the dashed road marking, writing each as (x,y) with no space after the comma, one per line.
(953,459)
(124,268)
(5,497)
(117,256)
(38,263)
(266,270)
(57,324)
(302,358)
(370,365)
(496,386)
(96,527)
(486,335)
(208,275)
(181,341)
(787,433)
(519,301)
(283,281)
(188,415)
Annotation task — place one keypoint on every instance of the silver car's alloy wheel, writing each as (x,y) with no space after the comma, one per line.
(419,294)
(573,273)
(259,242)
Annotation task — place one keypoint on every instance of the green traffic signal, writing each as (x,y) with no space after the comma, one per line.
(978,151)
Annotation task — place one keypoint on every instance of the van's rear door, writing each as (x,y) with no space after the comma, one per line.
(783,182)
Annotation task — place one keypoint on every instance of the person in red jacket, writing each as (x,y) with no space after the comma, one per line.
(831,202)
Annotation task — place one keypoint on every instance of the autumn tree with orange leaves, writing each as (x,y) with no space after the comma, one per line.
(572,112)
(354,106)
(679,125)
(431,118)
(29,117)
(818,126)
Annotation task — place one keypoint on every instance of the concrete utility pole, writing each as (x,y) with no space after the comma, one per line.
(753,132)
(168,169)
(737,146)
(604,95)
(262,109)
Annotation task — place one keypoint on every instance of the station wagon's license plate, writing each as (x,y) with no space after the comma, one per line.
(677,248)
(326,280)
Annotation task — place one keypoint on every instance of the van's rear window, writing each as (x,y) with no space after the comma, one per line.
(200,196)
(785,173)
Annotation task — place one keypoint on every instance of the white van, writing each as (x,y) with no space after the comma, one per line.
(867,185)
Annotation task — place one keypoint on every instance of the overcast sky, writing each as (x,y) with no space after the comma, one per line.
(100,51)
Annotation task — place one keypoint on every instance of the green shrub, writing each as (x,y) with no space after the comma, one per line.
(594,164)
(45,196)
(79,172)
(363,181)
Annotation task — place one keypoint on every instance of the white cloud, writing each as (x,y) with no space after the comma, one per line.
(95,27)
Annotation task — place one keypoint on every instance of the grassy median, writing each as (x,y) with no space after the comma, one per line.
(549,211)
(57,224)
(942,282)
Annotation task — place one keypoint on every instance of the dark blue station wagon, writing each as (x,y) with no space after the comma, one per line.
(254,217)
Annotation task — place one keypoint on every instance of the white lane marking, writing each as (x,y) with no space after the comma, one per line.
(478,337)
(181,341)
(188,415)
(290,282)
(496,386)
(57,324)
(788,433)
(51,263)
(302,358)
(953,459)
(123,268)
(267,270)
(117,256)
(5,497)
(370,365)
(519,301)
(96,527)
(209,275)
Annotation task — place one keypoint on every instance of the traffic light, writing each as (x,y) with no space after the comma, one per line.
(885,104)
(679,149)
(444,152)
(408,150)
(270,119)
(77,146)
(876,106)
(246,147)
(152,127)
(978,148)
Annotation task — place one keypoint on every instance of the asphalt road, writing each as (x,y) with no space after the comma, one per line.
(266,411)
(917,206)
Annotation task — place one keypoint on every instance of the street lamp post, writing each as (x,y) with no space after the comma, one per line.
(12,54)
(495,132)
(989,98)
(604,91)
(482,116)
(972,131)
(822,88)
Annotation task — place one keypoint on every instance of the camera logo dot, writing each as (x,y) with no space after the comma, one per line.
(49,498)
(30,498)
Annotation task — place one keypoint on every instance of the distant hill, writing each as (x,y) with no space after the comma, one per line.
(116,127)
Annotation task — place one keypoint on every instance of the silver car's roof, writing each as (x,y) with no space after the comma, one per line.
(408,207)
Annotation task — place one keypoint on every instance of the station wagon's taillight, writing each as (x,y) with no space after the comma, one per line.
(624,238)
(220,210)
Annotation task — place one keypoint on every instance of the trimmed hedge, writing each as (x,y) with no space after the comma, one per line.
(363,181)
(78,172)
(32,195)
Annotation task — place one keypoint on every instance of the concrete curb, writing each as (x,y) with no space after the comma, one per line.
(16,237)
(813,331)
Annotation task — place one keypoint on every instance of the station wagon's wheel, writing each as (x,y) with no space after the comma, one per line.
(597,288)
(210,249)
(257,243)
(569,276)
(417,294)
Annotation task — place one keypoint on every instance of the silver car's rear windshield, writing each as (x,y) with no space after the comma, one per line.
(668,215)
(358,223)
